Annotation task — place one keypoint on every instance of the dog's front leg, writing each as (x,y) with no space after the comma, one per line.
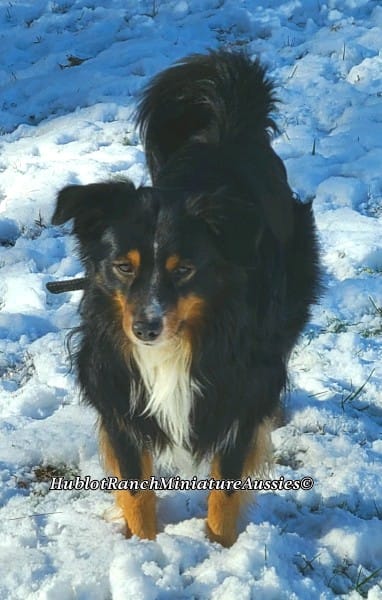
(224,506)
(124,461)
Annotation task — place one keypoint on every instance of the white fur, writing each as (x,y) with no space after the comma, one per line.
(230,438)
(165,370)
(175,459)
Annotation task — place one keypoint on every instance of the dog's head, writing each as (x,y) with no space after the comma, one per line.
(153,253)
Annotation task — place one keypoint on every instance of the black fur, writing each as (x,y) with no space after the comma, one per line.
(220,197)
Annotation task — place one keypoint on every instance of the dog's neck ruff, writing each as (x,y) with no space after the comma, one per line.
(170,390)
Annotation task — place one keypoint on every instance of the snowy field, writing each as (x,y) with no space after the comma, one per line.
(70,74)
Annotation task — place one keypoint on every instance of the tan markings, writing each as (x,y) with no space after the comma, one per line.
(172,262)
(223,512)
(134,257)
(139,513)
(259,457)
(146,465)
(184,319)
(190,308)
(138,509)
(125,313)
(224,509)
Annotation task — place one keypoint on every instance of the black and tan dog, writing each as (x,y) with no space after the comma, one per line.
(196,288)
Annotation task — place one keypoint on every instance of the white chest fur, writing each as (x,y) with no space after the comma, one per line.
(165,371)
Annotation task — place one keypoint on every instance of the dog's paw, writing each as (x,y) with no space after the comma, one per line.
(224,538)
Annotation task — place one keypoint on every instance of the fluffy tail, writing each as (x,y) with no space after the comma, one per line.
(220,97)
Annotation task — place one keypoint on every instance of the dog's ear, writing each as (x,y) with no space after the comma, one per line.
(210,208)
(237,223)
(270,181)
(231,219)
(277,204)
(89,205)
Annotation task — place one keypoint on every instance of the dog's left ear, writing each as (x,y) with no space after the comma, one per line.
(269,180)
(231,219)
(224,212)
(210,208)
(277,204)
(88,205)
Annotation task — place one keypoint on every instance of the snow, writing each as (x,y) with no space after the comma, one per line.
(70,74)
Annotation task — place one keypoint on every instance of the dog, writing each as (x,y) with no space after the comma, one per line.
(197,287)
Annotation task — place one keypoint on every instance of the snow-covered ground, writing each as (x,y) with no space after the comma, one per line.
(70,72)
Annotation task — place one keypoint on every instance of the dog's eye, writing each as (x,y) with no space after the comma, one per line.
(125,268)
(183,272)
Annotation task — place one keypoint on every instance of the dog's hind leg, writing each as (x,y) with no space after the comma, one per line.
(138,507)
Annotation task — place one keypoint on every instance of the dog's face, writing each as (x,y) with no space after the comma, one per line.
(159,263)
(151,252)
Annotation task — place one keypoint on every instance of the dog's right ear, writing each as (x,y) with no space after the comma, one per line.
(89,206)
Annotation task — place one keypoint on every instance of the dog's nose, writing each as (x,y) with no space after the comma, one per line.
(148,331)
